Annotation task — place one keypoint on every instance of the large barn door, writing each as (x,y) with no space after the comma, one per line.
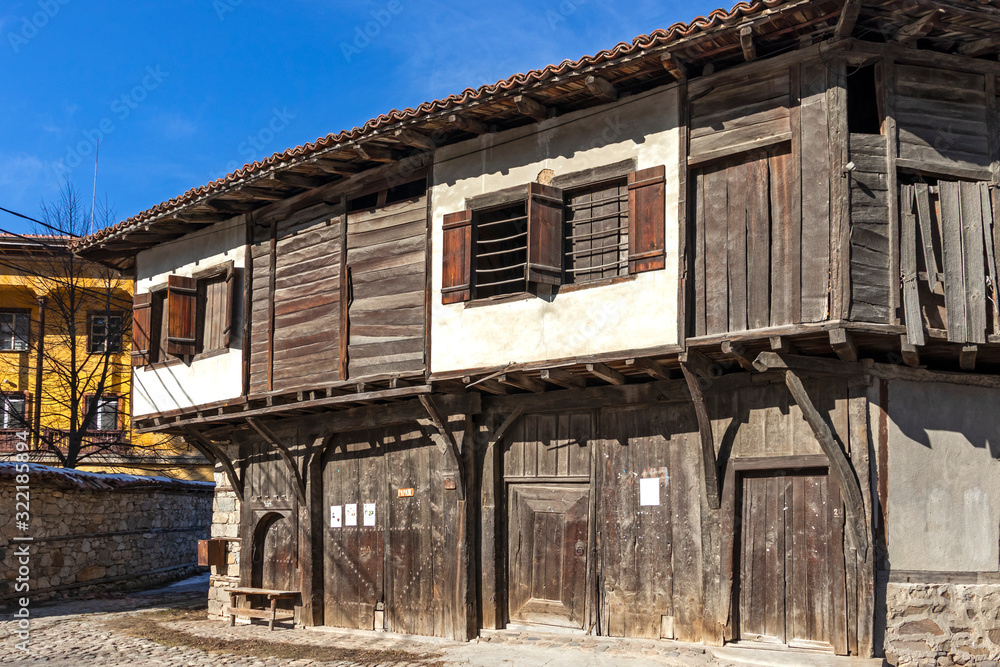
(791,590)
(548,553)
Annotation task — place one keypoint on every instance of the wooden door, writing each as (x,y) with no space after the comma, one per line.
(547,561)
(791,577)
(274,558)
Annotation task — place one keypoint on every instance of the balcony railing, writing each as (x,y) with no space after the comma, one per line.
(9,439)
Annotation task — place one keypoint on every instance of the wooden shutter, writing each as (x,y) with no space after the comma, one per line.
(456,283)
(646,219)
(182,310)
(142,318)
(227,317)
(545,234)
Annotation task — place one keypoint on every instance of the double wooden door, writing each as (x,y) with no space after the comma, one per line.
(547,557)
(791,563)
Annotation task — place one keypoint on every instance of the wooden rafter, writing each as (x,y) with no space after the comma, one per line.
(530,107)
(848,19)
(652,368)
(840,465)
(708,460)
(286,455)
(601,88)
(561,378)
(467,124)
(738,352)
(747,44)
(919,28)
(675,66)
(606,373)
(521,381)
(843,344)
(213,452)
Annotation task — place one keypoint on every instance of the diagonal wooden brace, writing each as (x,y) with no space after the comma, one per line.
(286,455)
(708,460)
(213,453)
(442,436)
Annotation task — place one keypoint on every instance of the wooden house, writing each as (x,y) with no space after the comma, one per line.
(695,338)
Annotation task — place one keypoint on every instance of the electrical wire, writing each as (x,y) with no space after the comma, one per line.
(36,221)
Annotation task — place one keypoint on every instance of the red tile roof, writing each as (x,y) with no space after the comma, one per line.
(659,37)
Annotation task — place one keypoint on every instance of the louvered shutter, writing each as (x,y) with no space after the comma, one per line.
(456,282)
(142,318)
(182,311)
(545,234)
(646,219)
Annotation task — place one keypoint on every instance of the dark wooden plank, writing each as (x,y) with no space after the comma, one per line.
(908,254)
(954,269)
(715,261)
(816,238)
(974,269)
(758,244)
(700,293)
(739,185)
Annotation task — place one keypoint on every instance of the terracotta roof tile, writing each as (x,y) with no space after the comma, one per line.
(658,37)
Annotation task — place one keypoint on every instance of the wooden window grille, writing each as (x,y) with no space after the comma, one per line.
(596,229)
(501,250)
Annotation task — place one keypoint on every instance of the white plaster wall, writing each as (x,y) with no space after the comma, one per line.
(944,477)
(636,314)
(208,380)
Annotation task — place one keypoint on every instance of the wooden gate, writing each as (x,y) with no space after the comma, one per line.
(273,553)
(548,529)
(790,559)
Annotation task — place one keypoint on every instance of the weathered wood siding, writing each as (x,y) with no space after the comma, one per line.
(870,283)
(386,257)
(295,322)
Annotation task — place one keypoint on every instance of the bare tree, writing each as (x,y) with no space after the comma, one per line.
(78,368)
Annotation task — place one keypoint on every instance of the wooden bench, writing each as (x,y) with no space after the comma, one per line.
(272,614)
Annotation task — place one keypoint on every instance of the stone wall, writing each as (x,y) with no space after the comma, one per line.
(225,524)
(939,625)
(93,533)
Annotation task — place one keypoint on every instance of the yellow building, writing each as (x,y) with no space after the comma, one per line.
(65,372)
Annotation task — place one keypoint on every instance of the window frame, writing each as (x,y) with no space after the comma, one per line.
(92,316)
(95,428)
(5,414)
(16,312)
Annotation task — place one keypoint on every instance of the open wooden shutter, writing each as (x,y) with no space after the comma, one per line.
(142,319)
(545,234)
(646,219)
(456,283)
(227,318)
(182,311)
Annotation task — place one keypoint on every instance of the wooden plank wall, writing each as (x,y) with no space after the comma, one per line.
(295,307)
(386,257)
(762,241)
(870,279)
(942,122)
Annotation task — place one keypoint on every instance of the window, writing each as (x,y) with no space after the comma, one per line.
(605,223)
(189,317)
(105,417)
(105,333)
(14,331)
(13,411)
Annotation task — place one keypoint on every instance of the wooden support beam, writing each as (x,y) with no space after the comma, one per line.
(709,464)
(848,19)
(602,88)
(490,386)
(530,107)
(286,456)
(501,431)
(374,153)
(909,352)
(467,124)
(299,180)
(228,206)
(699,364)
(415,139)
(213,452)
(445,441)
(521,382)
(980,47)
(781,345)
(738,352)
(746,43)
(772,361)
(606,373)
(843,345)
(652,368)
(558,376)
(336,167)
(967,357)
(675,66)
(265,194)
(919,28)
(840,466)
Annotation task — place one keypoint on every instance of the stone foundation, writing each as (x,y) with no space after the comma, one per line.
(92,533)
(939,625)
(225,524)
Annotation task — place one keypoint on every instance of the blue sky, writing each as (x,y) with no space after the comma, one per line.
(179,93)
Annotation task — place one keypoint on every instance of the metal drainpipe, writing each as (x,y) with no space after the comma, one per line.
(37,407)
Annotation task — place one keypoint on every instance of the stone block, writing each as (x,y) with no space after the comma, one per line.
(90,573)
(923,626)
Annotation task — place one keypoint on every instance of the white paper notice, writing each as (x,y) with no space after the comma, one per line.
(351,515)
(369,514)
(649,491)
(336,516)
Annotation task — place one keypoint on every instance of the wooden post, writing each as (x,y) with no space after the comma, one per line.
(709,465)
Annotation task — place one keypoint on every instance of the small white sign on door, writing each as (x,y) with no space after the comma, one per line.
(336,516)
(369,514)
(649,491)
(351,515)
